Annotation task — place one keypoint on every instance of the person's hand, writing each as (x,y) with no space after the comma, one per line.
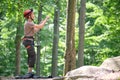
(47,17)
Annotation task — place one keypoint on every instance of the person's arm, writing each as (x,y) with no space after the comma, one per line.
(39,26)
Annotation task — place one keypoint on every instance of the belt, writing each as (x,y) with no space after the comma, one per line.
(31,37)
(28,38)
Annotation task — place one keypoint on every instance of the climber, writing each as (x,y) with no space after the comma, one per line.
(28,40)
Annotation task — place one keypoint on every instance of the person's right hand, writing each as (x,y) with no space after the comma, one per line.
(47,17)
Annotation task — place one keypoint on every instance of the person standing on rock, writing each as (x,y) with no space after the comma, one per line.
(28,40)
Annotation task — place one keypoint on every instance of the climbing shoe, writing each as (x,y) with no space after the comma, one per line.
(28,75)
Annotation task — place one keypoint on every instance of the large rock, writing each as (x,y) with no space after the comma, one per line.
(112,63)
(90,72)
(110,76)
(108,70)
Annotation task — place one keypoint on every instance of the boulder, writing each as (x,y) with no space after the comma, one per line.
(90,72)
(110,76)
(108,70)
(112,63)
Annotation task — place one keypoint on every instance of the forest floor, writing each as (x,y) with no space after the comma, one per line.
(31,79)
(11,78)
(28,79)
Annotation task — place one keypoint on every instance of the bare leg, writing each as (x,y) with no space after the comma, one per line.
(29,69)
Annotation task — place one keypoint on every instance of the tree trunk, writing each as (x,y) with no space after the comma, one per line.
(38,43)
(70,56)
(17,45)
(18,41)
(55,40)
(81,33)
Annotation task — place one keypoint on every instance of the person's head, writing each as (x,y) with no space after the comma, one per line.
(28,14)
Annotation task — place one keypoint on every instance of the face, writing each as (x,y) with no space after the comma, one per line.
(32,15)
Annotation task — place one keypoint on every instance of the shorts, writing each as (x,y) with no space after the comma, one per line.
(29,44)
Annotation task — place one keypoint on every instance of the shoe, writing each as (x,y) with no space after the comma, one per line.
(28,75)
(18,77)
(50,77)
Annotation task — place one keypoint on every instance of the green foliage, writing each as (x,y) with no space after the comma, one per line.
(102,35)
(102,32)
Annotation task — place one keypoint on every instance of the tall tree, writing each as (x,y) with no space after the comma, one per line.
(55,39)
(38,41)
(70,55)
(81,33)
(18,39)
